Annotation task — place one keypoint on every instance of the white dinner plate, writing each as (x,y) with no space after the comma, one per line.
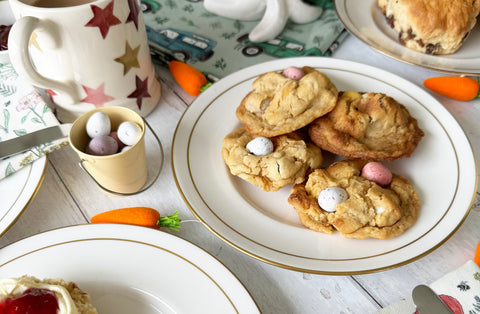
(19,189)
(263,224)
(129,269)
(363,19)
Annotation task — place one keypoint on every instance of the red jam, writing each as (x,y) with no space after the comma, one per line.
(31,301)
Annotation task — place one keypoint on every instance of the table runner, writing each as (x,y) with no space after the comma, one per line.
(186,31)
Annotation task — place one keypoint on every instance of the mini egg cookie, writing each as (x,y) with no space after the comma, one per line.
(367,126)
(279,104)
(367,210)
(290,161)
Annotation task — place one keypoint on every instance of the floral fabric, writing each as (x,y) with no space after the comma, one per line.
(22,110)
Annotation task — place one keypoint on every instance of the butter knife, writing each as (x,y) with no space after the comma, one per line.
(25,142)
(428,302)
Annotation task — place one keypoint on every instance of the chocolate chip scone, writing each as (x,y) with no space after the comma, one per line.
(289,163)
(279,105)
(368,211)
(367,126)
(431,26)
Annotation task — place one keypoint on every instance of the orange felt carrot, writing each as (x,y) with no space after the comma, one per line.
(140,216)
(476,259)
(455,87)
(190,79)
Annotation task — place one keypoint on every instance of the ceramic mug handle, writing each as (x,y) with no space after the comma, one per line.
(18,42)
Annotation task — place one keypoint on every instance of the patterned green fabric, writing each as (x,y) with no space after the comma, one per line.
(22,110)
(215,45)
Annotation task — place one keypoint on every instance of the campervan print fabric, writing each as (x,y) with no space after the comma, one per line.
(186,31)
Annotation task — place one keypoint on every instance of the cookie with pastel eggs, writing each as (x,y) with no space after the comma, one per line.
(367,126)
(270,163)
(360,199)
(283,102)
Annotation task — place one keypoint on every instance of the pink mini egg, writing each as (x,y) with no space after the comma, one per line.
(293,73)
(102,145)
(115,136)
(378,173)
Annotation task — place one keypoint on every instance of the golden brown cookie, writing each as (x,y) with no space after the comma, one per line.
(279,105)
(289,163)
(367,126)
(431,26)
(369,210)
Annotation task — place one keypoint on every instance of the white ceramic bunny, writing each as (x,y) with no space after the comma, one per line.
(273,14)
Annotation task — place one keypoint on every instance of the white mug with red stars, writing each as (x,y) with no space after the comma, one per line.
(86,53)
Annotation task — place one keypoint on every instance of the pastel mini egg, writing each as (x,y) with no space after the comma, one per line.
(115,136)
(127,147)
(98,124)
(293,73)
(129,132)
(102,145)
(378,173)
(260,146)
(330,197)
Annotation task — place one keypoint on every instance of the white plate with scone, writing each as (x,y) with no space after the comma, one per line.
(364,19)
(265,226)
(130,269)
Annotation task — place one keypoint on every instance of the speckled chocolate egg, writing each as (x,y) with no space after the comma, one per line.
(260,146)
(102,145)
(129,132)
(293,73)
(378,173)
(115,136)
(127,147)
(330,197)
(98,124)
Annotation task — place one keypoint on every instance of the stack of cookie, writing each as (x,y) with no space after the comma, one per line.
(290,117)
(278,109)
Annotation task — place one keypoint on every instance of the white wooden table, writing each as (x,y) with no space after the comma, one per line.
(68,197)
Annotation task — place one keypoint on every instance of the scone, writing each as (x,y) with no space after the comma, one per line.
(289,163)
(368,211)
(367,126)
(278,105)
(28,292)
(431,26)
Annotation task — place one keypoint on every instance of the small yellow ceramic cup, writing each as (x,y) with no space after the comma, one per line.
(123,173)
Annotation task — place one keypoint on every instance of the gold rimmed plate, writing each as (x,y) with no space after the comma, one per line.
(263,224)
(130,269)
(364,20)
(18,190)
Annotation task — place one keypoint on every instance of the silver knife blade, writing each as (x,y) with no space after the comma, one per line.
(25,142)
(428,302)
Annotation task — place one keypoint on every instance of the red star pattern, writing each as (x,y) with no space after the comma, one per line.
(103,18)
(141,91)
(134,11)
(97,96)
